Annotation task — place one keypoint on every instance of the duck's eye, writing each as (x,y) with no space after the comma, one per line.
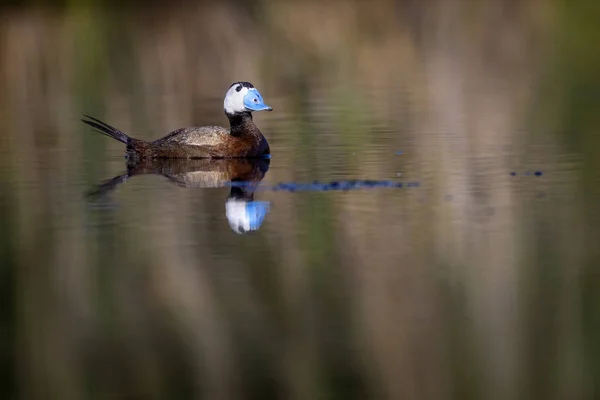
(239,88)
(255,100)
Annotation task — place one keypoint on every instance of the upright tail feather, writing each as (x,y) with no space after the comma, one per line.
(105,129)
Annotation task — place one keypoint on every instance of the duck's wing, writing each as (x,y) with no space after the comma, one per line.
(195,136)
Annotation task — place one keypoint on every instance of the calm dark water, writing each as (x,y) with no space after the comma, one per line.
(426,227)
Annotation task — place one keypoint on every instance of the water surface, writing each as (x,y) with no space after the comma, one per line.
(427,226)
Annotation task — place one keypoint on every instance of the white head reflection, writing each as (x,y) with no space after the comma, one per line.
(245,216)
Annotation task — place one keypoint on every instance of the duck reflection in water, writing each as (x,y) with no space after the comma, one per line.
(242,175)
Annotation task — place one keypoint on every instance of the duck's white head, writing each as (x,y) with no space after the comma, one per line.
(243,97)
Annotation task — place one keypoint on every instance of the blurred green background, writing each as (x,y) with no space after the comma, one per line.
(477,284)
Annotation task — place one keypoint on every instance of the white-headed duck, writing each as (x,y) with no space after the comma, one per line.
(242,140)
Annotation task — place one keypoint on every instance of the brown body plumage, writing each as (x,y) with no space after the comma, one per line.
(242,140)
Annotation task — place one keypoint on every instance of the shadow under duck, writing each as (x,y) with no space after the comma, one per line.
(242,140)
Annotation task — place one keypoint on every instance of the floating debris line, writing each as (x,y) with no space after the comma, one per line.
(528,173)
(317,186)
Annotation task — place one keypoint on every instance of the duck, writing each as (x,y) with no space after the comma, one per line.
(243,139)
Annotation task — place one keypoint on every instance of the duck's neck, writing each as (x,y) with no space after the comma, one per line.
(241,123)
